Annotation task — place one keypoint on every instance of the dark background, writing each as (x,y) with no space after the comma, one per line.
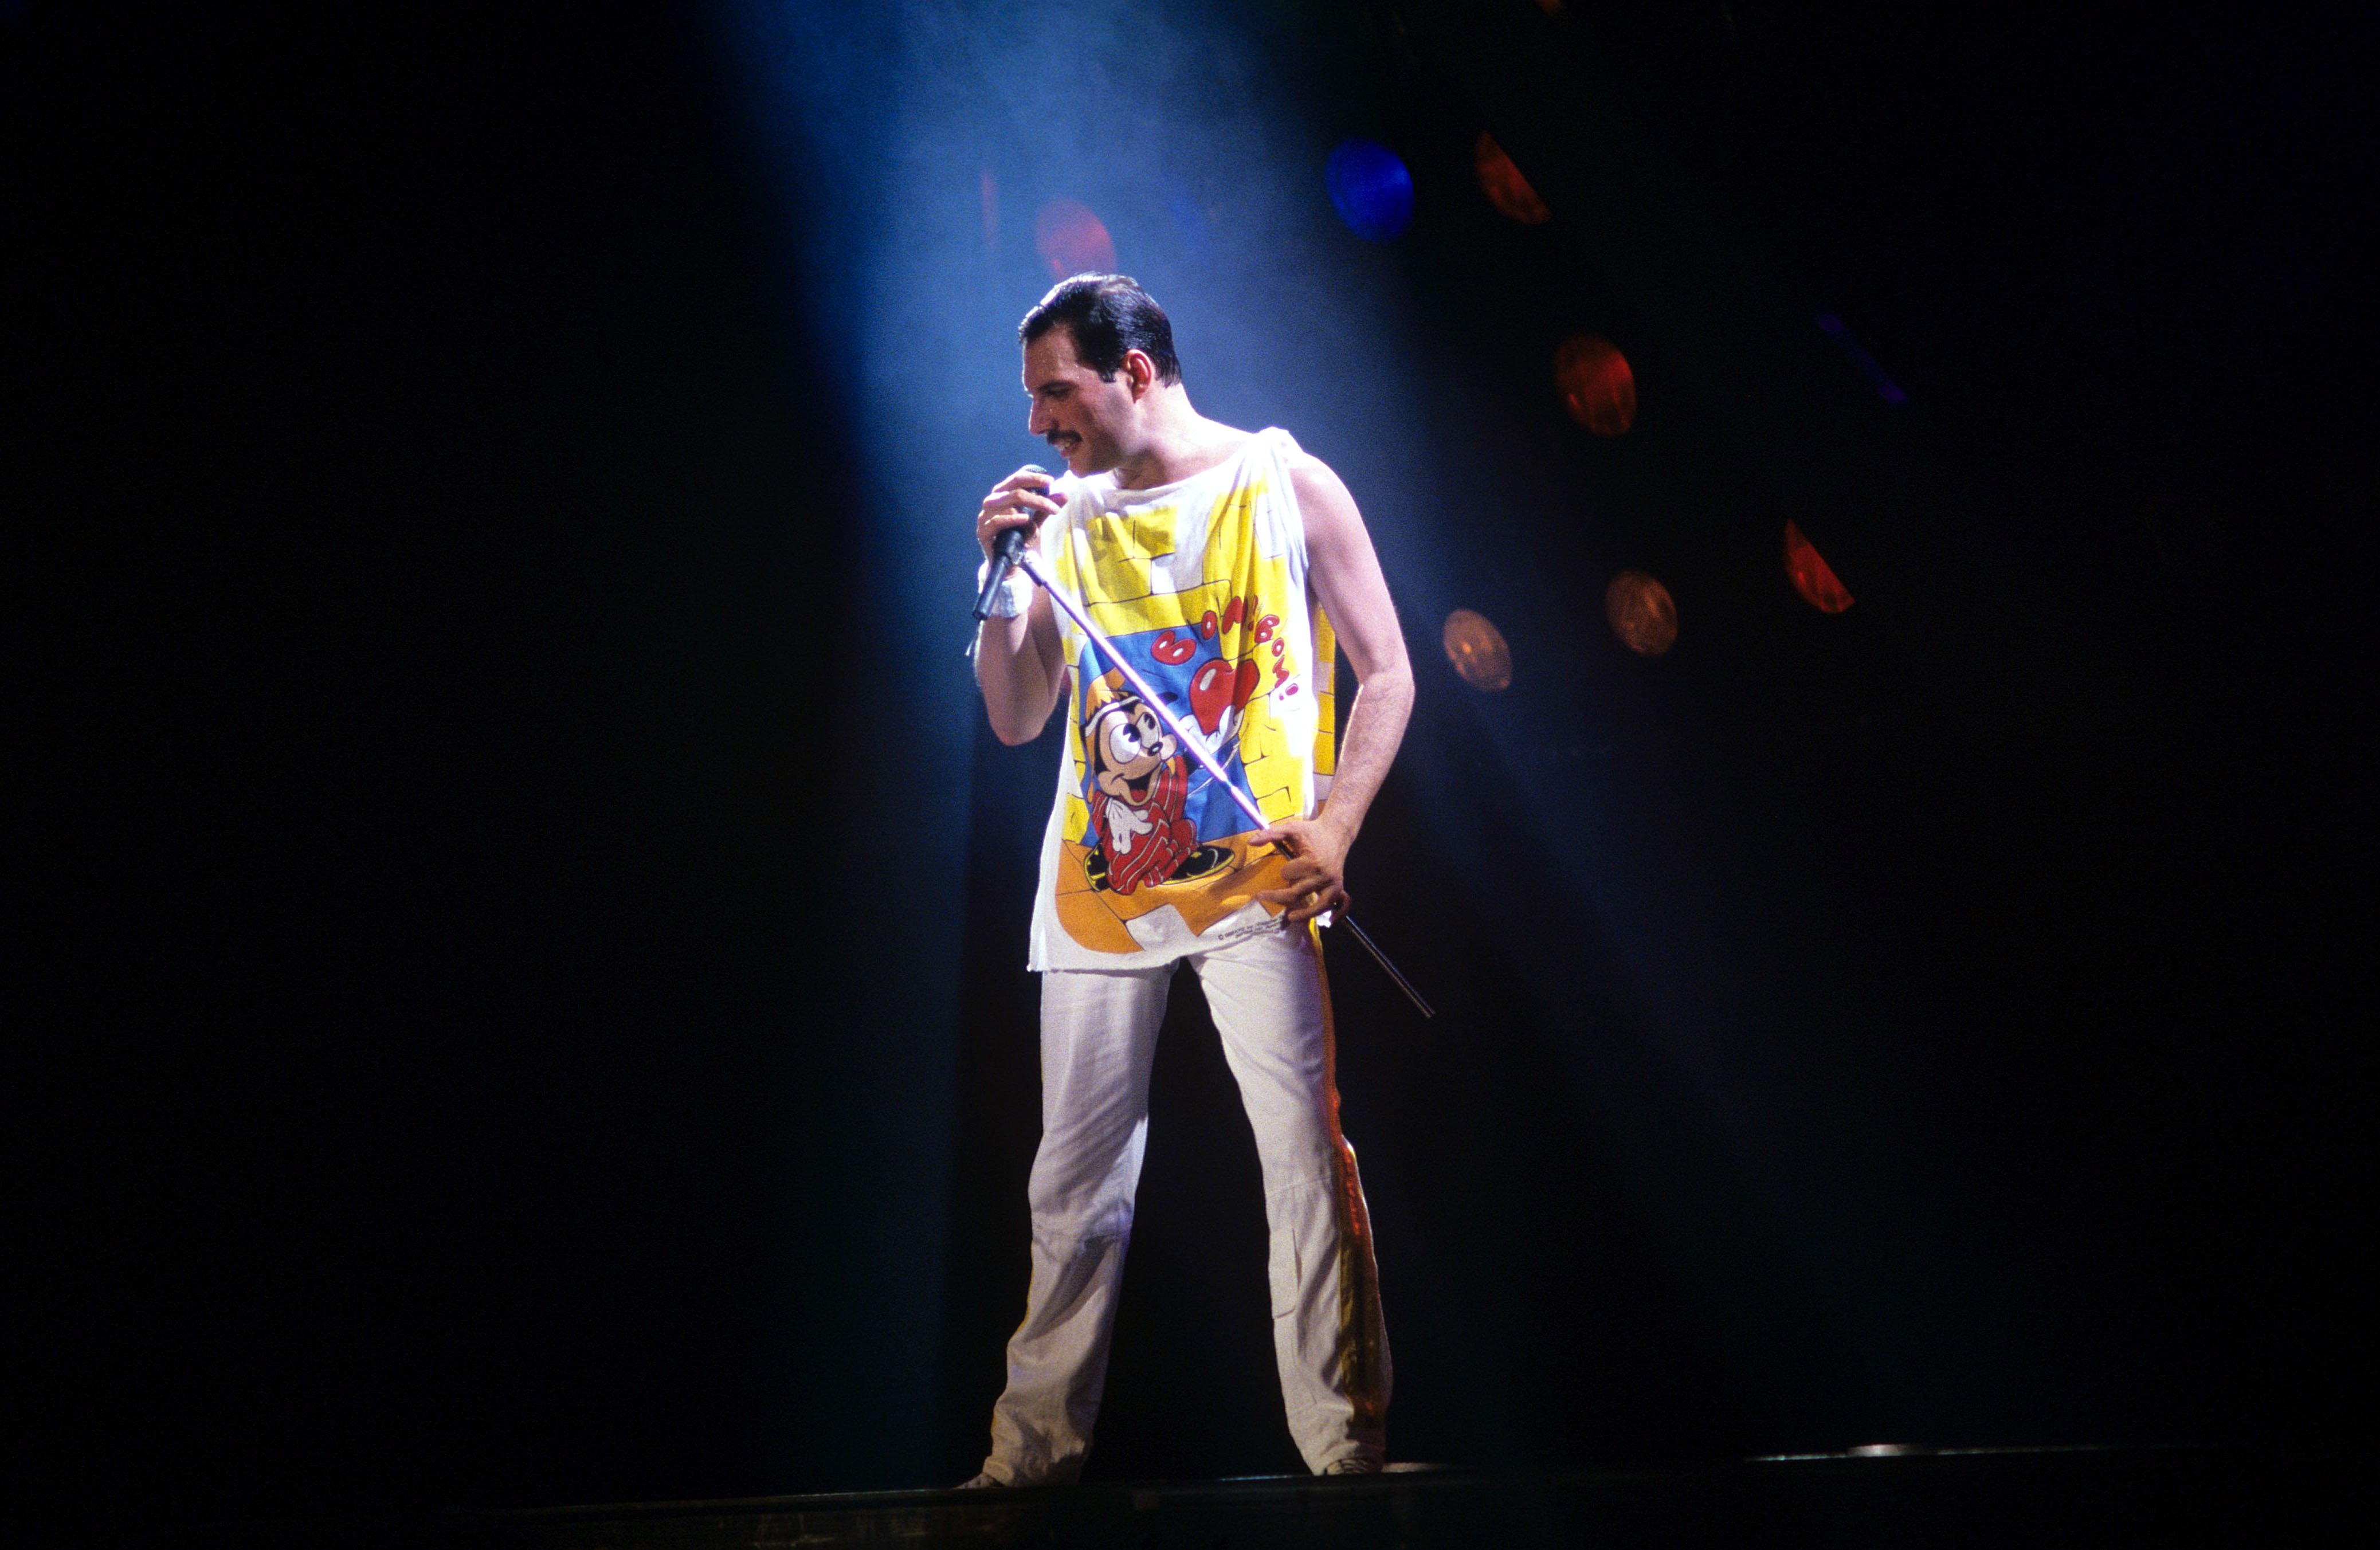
(427,631)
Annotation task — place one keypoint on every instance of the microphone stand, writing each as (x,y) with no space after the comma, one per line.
(1030,563)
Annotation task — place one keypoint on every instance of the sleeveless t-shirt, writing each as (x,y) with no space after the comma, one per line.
(1201,586)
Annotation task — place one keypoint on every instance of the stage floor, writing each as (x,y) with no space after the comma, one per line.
(1997,1497)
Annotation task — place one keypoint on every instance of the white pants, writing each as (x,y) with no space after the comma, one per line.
(1099,1038)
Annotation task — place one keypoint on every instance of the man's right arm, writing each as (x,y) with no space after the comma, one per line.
(1018,662)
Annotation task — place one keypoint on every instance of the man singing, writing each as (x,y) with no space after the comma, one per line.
(1228,568)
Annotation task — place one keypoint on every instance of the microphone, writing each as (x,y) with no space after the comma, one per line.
(1005,552)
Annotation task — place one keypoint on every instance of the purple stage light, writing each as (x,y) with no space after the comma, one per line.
(1371,190)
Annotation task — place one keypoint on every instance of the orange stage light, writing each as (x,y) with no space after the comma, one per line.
(1813,577)
(1504,186)
(1072,241)
(1643,613)
(1596,386)
(1477,650)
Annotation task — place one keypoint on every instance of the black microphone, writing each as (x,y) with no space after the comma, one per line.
(1005,552)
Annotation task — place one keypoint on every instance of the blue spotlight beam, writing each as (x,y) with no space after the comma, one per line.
(1031,564)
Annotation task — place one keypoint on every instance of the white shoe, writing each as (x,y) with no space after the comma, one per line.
(1354,1463)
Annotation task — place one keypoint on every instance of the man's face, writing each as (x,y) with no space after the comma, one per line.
(1087,421)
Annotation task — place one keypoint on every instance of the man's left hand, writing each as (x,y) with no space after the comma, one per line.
(1315,879)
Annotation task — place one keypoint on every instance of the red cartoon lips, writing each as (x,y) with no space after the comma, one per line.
(1215,688)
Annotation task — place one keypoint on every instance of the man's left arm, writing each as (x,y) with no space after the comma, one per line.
(1346,578)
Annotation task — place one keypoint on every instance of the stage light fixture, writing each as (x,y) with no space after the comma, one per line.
(1643,613)
(1503,183)
(1597,385)
(1072,241)
(1370,190)
(1477,650)
(1811,576)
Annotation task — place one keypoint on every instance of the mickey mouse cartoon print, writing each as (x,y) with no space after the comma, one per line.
(1139,776)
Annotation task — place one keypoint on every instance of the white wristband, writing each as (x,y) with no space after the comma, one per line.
(1015,594)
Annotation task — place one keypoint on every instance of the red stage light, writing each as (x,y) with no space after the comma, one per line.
(1070,240)
(1477,650)
(1643,613)
(1813,577)
(1504,186)
(1596,386)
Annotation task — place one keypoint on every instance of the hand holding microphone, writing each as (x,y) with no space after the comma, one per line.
(1016,505)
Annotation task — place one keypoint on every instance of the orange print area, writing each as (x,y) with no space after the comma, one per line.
(1643,613)
(1096,917)
(1503,183)
(1597,385)
(1477,650)
(1811,576)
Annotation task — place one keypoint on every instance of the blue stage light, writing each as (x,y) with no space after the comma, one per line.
(1371,190)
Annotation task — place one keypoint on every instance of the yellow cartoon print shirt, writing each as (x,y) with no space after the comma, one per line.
(1201,586)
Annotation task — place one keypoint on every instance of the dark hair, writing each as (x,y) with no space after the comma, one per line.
(1107,314)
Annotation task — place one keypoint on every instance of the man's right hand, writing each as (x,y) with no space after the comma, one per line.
(1017,659)
(1022,499)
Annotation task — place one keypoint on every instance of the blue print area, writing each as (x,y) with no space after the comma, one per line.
(1208,805)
